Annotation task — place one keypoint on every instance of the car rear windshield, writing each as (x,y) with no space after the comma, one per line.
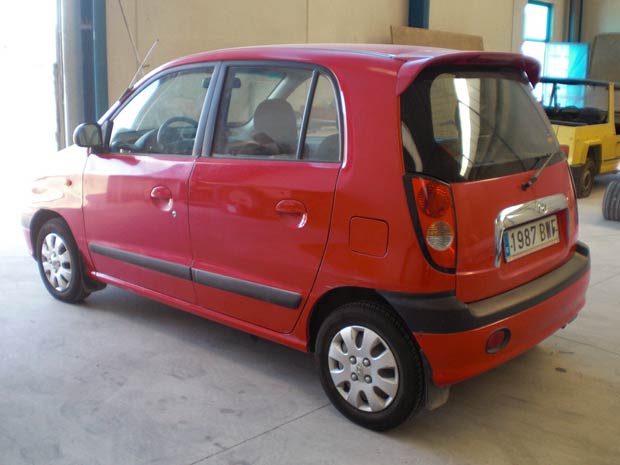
(468,125)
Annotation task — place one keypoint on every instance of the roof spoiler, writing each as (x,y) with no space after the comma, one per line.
(409,71)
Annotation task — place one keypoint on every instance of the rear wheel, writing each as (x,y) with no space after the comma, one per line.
(586,179)
(60,263)
(369,365)
(611,202)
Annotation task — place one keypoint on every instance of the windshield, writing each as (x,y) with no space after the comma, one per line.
(473,125)
(575,103)
(560,95)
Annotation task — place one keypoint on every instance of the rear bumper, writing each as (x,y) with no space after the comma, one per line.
(453,335)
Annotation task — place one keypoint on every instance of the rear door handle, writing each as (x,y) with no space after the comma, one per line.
(293,212)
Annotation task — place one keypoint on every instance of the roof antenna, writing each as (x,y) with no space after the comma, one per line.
(139,70)
(141,67)
(133,42)
(142,64)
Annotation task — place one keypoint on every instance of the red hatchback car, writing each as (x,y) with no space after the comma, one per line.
(404,213)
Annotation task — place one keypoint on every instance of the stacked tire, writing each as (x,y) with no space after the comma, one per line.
(611,202)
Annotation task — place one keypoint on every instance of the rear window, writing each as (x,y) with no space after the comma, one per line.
(472,124)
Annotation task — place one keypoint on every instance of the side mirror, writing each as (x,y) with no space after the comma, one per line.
(88,135)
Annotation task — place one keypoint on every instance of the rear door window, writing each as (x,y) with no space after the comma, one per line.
(322,141)
(277,112)
(472,125)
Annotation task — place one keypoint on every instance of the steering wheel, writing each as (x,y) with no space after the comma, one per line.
(167,135)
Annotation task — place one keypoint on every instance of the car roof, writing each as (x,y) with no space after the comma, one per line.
(405,60)
(311,51)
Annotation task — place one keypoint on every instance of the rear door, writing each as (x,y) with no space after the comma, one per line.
(485,135)
(261,196)
(136,190)
(508,237)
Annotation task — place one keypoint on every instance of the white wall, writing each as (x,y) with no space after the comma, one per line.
(492,19)
(499,22)
(599,17)
(188,26)
(355,20)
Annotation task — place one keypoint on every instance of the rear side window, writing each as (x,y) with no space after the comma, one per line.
(277,112)
(471,125)
(322,141)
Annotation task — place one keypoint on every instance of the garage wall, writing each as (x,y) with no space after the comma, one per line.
(492,19)
(355,20)
(599,17)
(188,26)
(500,22)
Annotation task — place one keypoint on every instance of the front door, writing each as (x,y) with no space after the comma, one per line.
(261,198)
(136,190)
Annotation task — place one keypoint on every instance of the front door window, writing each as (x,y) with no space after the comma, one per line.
(163,117)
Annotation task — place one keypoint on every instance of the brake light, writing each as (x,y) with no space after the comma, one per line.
(436,214)
(433,199)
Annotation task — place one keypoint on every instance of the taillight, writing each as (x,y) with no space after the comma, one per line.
(436,214)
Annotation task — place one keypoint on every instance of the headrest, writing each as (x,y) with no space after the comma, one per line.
(276,118)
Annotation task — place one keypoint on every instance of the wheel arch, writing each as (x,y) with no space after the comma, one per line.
(595,152)
(333,299)
(36,223)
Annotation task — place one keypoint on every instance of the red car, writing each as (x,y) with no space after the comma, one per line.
(404,213)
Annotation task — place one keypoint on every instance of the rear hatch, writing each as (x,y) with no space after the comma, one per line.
(480,133)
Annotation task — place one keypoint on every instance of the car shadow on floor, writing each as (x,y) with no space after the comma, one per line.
(246,351)
(297,369)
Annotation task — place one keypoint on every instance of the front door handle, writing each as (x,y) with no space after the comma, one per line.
(293,212)
(162,198)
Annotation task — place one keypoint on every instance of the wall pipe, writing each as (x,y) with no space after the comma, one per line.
(418,13)
(71,68)
(575,15)
(100,56)
(83,64)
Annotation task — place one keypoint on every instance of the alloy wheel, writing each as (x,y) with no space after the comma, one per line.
(56,261)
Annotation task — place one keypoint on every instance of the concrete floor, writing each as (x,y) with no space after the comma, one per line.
(122,380)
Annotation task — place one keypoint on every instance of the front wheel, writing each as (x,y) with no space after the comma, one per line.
(59,262)
(370,367)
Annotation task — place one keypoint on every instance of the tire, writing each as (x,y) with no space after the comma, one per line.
(369,366)
(611,202)
(586,179)
(60,263)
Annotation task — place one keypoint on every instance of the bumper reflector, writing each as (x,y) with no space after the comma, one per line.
(497,340)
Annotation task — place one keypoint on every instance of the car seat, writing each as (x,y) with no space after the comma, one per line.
(275,126)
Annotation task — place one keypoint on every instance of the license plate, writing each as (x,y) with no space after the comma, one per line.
(525,239)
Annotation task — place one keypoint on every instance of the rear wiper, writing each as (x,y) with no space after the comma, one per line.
(526,185)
